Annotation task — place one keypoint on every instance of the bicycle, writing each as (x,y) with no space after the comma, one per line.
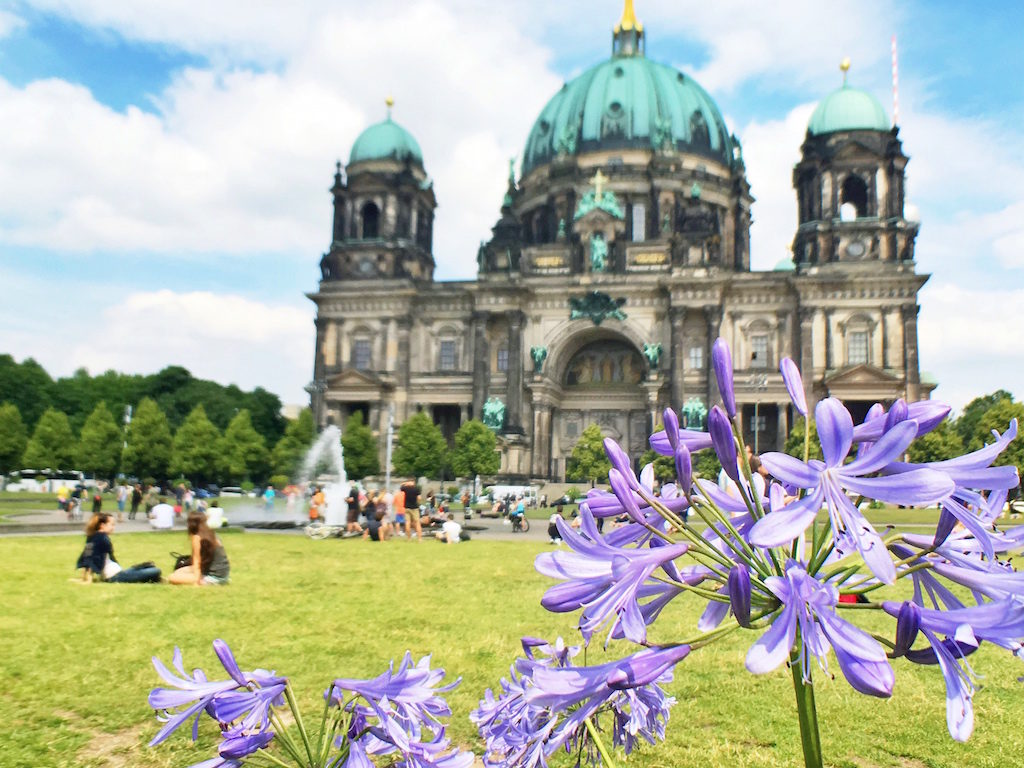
(520,524)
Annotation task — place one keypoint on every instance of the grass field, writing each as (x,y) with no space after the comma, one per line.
(76,668)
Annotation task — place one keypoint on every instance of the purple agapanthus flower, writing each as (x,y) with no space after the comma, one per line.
(195,693)
(828,482)
(412,690)
(721,362)
(546,699)
(669,439)
(602,579)
(808,606)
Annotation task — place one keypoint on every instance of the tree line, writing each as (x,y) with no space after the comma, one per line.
(32,391)
(151,450)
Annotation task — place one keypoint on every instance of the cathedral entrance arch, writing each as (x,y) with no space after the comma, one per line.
(598,376)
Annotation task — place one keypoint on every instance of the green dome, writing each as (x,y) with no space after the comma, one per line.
(785,265)
(848,109)
(385,140)
(628,101)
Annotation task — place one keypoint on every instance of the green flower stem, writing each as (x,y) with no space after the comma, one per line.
(741,548)
(284,738)
(271,760)
(707,638)
(598,743)
(294,706)
(809,737)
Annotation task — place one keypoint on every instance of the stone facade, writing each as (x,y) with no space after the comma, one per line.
(609,275)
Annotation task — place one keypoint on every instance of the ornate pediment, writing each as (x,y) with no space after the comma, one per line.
(860,375)
(353,382)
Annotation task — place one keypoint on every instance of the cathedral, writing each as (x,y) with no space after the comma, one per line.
(620,253)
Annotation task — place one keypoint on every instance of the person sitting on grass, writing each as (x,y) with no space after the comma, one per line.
(553,533)
(377,527)
(97,560)
(451,532)
(210,564)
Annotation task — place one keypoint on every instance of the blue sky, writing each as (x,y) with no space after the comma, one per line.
(164,169)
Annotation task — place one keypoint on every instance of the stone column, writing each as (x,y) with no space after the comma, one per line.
(677,318)
(319,367)
(830,356)
(541,459)
(481,355)
(782,432)
(713,316)
(404,372)
(514,391)
(806,360)
(343,353)
(910,361)
(883,330)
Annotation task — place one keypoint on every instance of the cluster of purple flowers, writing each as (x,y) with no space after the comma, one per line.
(397,713)
(756,555)
(549,704)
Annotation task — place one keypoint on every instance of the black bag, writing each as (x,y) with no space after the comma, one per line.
(181,561)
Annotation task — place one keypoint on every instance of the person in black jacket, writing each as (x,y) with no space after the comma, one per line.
(97,560)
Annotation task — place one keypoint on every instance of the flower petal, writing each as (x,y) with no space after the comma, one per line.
(790,470)
(721,359)
(794,384)
(835,430)
(772,648)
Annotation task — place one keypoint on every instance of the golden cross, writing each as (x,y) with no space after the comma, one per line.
(599,180)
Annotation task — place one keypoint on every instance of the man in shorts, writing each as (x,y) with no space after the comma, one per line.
(412,509)
(398,505)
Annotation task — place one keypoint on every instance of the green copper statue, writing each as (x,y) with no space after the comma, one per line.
(539,354)
(694,414)
(494,414)
(598,253)
(653,354)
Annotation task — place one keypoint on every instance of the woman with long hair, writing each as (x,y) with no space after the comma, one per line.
(209,560)
(97,559)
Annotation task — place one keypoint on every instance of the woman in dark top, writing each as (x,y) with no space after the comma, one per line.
(209,560)
(97,559)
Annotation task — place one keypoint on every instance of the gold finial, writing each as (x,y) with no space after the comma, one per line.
(844,66)
(390,102)
(599,180)
(628,20)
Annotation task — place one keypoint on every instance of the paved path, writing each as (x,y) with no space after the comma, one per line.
(48,522)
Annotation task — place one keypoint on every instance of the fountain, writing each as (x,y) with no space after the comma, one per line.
(328,448)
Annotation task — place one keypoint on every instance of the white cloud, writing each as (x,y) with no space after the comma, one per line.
(9,23)
(770,150)
(223,337)
(967,338)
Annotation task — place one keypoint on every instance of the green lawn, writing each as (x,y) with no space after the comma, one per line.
(76,670)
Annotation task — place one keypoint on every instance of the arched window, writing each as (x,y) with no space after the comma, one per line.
(699,135)
(854,192)
(370,214)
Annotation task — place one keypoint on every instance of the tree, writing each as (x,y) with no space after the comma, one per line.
(13,438)
(588,460)
(997,418)
(943,442)
(243,452)
(194,451)
(360,448)
(421,448)
(291,449)
(149,442)
(475,451)
(967,424)
(706,464)
(664,466)
(26,385)
(100,443)
(53,444)
(795,442)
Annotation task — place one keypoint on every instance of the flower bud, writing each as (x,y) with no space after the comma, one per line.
(671,422)
(908,622)
(794,384)
(723,442)
(684,470)
(739,594)
(721,360)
